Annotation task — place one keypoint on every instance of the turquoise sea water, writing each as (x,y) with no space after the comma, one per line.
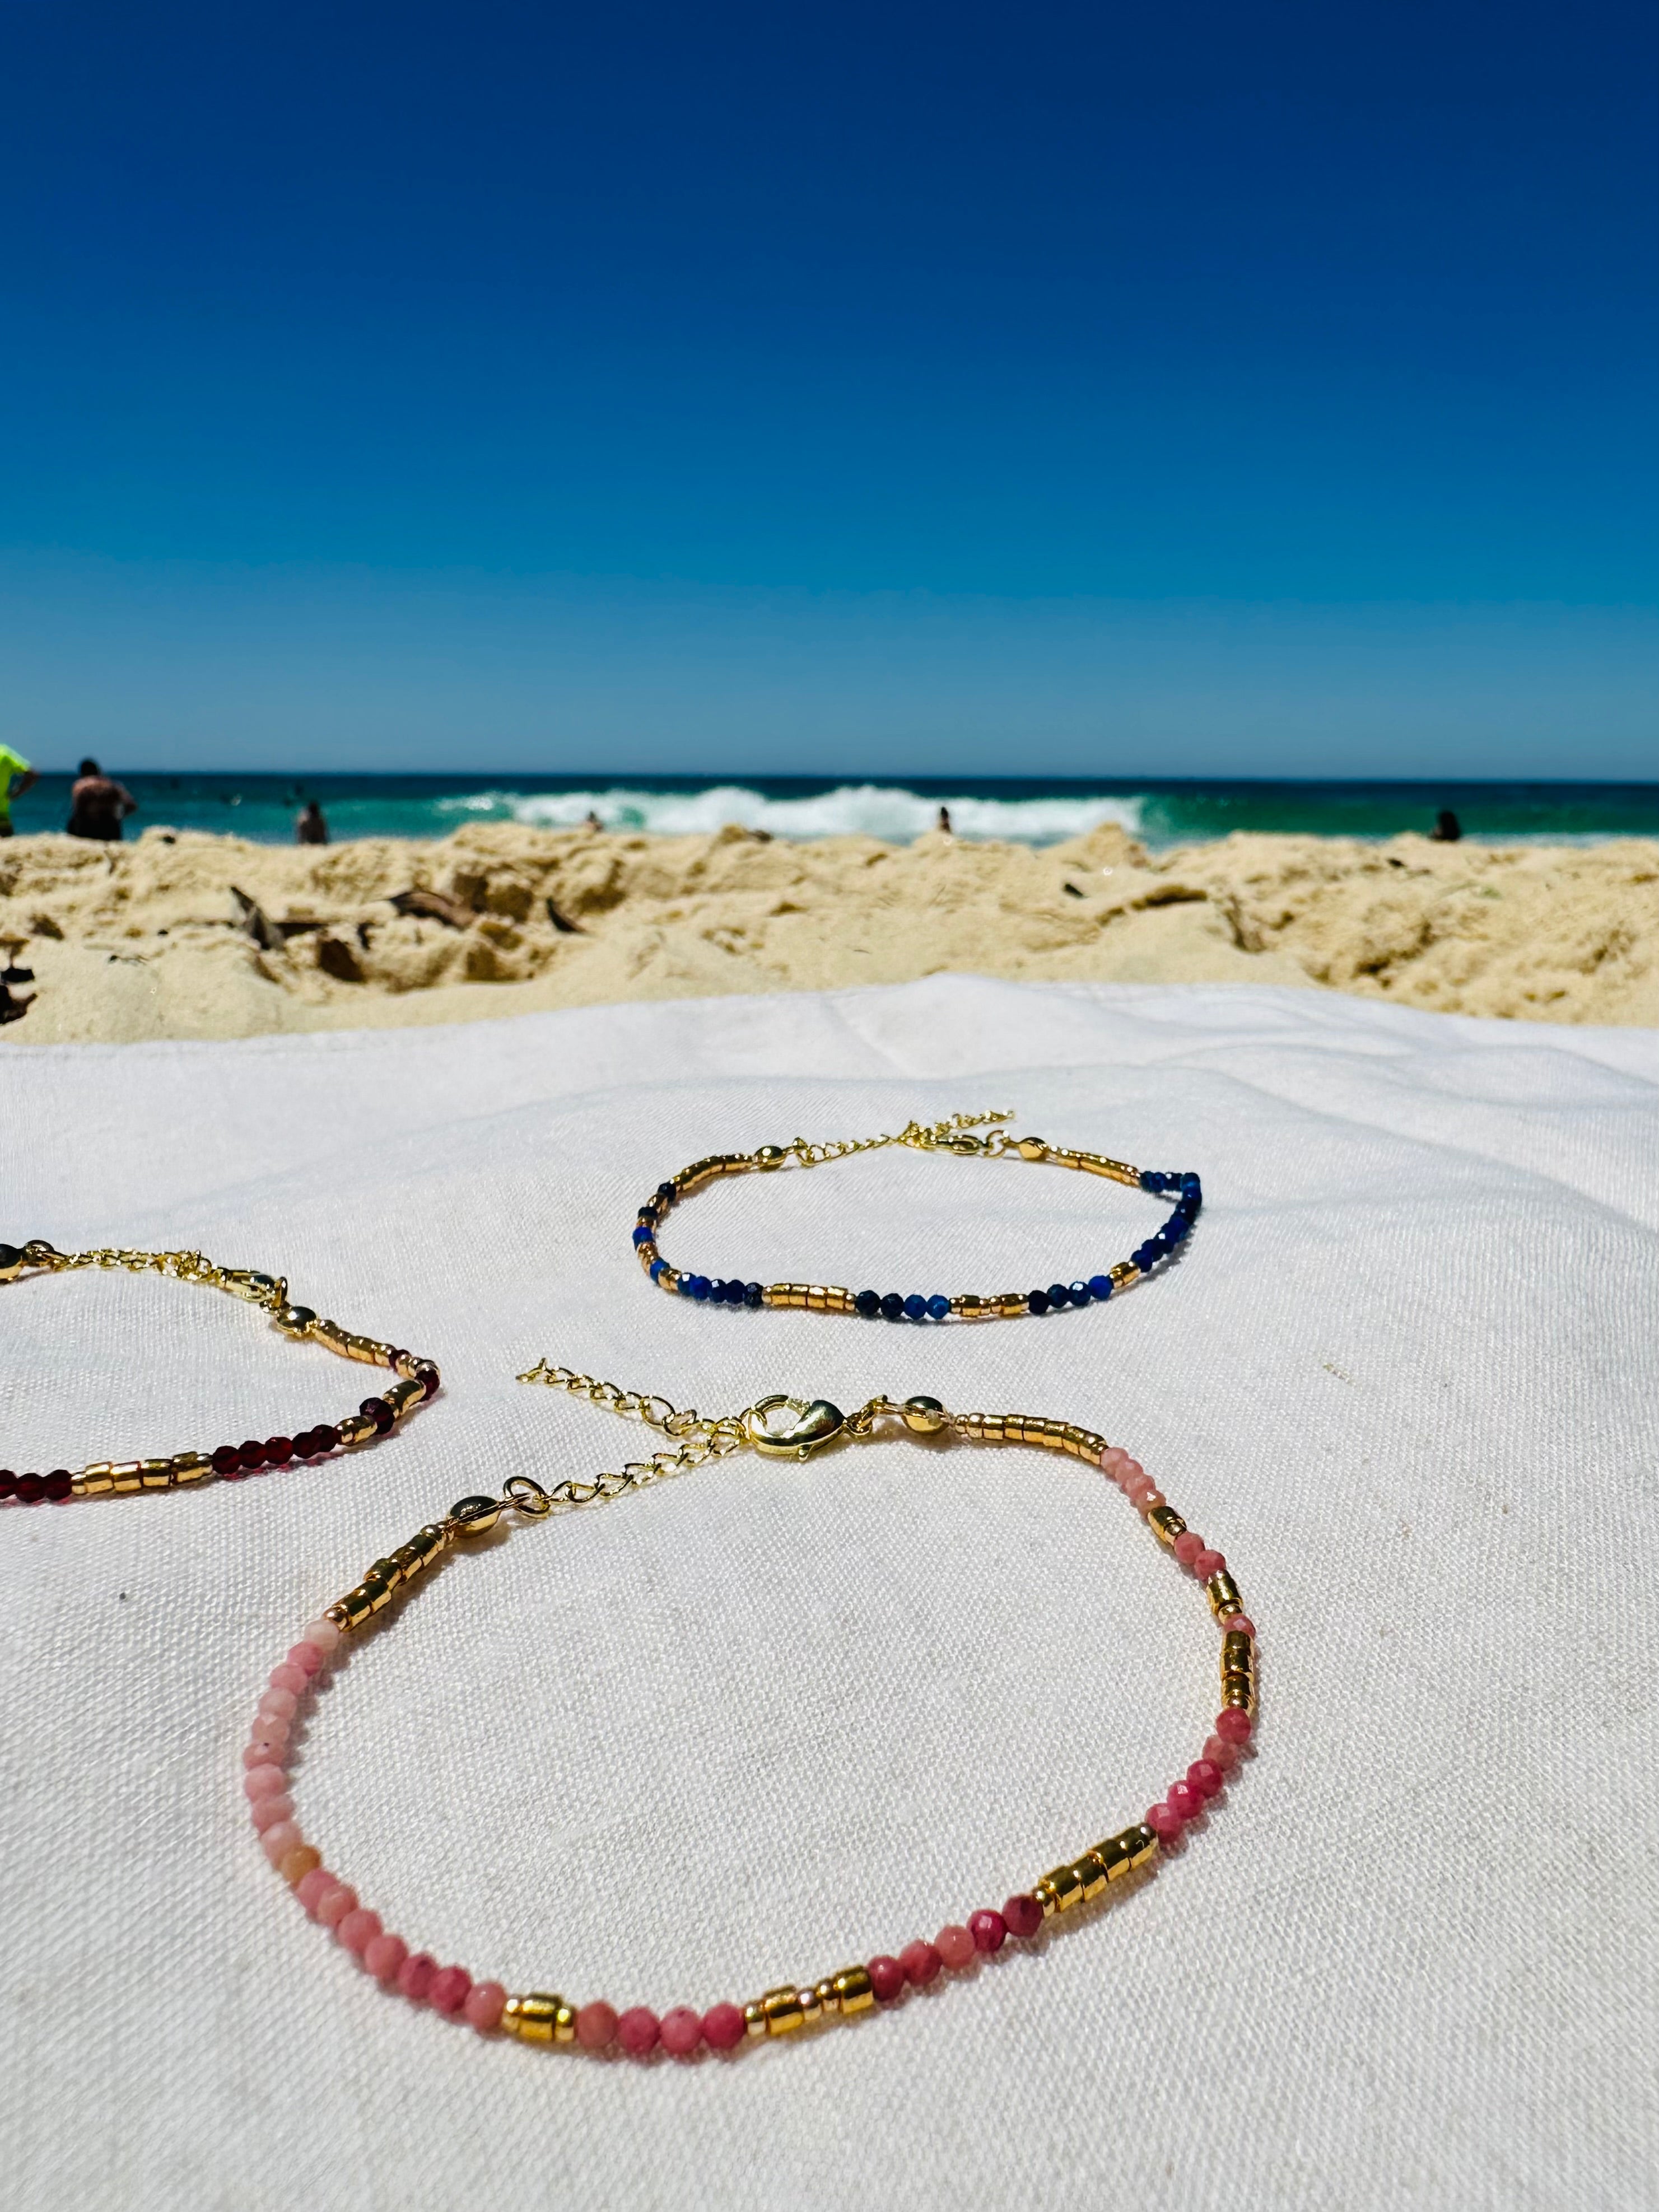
(1038,812)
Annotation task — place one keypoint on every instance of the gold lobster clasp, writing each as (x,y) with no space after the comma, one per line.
(812,1425)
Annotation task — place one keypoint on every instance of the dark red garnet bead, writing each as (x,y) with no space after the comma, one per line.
(228,1461)
(378,1411)
(427,1376)
(31,1488)
(59,1483)
(278,1450)
(324,1439)
(252,1454)
(7,1483)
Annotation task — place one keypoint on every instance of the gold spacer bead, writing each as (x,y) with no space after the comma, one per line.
(1223,1592)
(812,2004)
(754,2018)
(128,1475)
(1115,1856)
(294,1321)
(472,1515)
(1142,1842)
(534,2018)
(782,2011)
(1091,1872)
(1236,1649)
(1065,1884)
(924,1415)
(155,1474)
(1125,1272)
(1166,1524)
(1033,1148)
(825,1993)
(191,1467)
(853,1989)
(1045,1893)
(94,1480)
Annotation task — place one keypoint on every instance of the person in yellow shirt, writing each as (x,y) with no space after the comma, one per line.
(15,777)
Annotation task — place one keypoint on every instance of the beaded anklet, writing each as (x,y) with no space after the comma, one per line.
(946,1136)
(374,1417)
(779,1427)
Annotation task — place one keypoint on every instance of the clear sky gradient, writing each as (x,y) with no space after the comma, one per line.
(885,389)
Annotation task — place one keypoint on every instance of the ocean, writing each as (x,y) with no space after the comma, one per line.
(1036,811)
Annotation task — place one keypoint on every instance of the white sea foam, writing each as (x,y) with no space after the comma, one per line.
(854,810)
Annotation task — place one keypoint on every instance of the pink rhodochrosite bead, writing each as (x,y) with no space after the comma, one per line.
(316,1885)
(1242,1623)
(1146,1501)
(921,1962)
(1209,1563)
(886,1980)
(1221,1752)
(307,1657)
(340,1900)
(1113,1461)
(1164,1821)
(722,2027)
(1184,1801)
(954,1946)
(384,1956)
(415,1975)
(1236,1726)
(286,1677)
(1023,1914)
(280,1701)
(1130,1473)
(264,1782)
(483,2009)
(637,2031)
(268,1811)
(358,1929)
(1187,1547)
(257,1753)
(449,1987)
(681,2032)
(322,1633)
(279,1839)
(989,1930)
(1206,1777)
(596,2025)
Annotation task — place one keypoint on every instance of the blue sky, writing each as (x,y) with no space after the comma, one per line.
(898,388)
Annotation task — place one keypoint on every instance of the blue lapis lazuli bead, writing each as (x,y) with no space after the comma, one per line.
(1079,1293)
(1037,1302)
(868,1302)
(666,1192)
(1152,1179)
(1059,1294)
(753,1295)
(938,1307)
(701,1287)
(1100,1286)
(892,1306)
(915,1307)
(643,1235)
(657,1266)
(683,1287)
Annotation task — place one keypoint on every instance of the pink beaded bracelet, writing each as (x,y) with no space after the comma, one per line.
(778,1427)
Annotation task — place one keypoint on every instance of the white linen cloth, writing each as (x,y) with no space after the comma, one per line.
(768,1719)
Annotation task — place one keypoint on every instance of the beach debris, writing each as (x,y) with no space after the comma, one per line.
(432,906)
(42,924)
(562,923)
(257,922)
(338,959)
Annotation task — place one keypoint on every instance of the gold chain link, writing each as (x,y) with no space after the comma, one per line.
(247,1283)
(697,1440)
(922,1136)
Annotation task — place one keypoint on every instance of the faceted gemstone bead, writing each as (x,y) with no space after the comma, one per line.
(1206,1777)
(227,1459)
(325,1438)
(1221,1752)
(1152,1179)
(1100,1286)
(316,1885)
(448,1992)
(323,1634)
(58,1484)
(892,1306)
(683,1287)
(1184,1800)
(1235,1726)
(264,1782)
(701,1287)
(384,1957)
(1187,1546)
(638,2030)
(281,1701)
(281,1837)
(7,1483)
(279,1450)
(1059,1295)
(1209,1563)
(722,2027)
(485,2002)
(1023,1914)
(939,1306)
(295,1863)
(643,1234)
(596,2025)
(667,1192)
(375,1410)
(269,1812)
(915,1307)
(988,1929)
(1242,1622)
(680,2032)
(1037,1302)
(1079,1293)
(657,1266)
(887,1979)
(305,1657)
(415,1976)
(1164,1821)
(716,1289)
(955,1946)
(921,1962)
(754,1296)
(868,1302)
(358,1929)
(428,1377)
(286,1677)
(251,1454)
(305,1445)
(334,1907)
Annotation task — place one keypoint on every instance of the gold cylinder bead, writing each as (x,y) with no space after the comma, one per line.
(1115,1856)
(354,1429)
(1010,1304)
(754,2018)
(94,1480)
(157,1473)
(1223,1592)
(782,2011)
(1043,1893)
(535,2018)
(191,1467)
(812,2004)
(1142,1842)
(1065,1884)
(1237,1693)
(127,1474)
(400,1396)
(358,1604)
(435,1538)
(1091,1873)
(826,1994)
(1236,1649)
(853,1989)
(1166,1524)
(1125,1273)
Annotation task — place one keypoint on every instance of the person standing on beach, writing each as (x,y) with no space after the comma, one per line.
(311,829)
(98,805)
(1447,827)
(15,777)
(945,822)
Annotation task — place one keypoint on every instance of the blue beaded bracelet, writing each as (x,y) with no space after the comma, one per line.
(948,1136)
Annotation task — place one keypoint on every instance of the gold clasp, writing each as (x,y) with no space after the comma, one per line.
(814,1425)
(258,1289)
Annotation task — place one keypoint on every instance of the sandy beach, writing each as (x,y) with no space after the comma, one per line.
(191,935)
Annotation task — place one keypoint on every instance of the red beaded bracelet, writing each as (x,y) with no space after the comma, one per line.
(777,1427)
(417,1380)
